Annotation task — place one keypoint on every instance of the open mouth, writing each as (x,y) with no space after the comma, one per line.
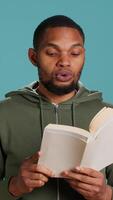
(63,75)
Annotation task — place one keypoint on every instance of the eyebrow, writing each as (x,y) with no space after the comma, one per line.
(57,47)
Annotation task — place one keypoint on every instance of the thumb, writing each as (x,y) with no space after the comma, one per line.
(34,158)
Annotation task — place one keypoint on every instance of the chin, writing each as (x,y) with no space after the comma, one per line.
(61,88)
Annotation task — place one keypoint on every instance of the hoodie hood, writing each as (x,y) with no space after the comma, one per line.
(29,92)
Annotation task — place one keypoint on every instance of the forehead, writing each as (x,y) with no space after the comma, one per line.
(61,36)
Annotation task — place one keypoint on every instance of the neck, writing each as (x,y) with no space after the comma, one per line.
(53,98)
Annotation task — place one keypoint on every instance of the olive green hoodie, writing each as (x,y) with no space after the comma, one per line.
(23,116)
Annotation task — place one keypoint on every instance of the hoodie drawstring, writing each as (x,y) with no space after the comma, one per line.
(41,117)
(73,115)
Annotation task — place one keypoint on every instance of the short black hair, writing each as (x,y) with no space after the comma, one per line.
(51,22)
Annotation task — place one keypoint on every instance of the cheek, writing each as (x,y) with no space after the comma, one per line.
(81,60)
(45,72)
(79,64)
(78,67)
(46,66)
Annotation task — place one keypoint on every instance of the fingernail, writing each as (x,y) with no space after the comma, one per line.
(78,168)
(65,172)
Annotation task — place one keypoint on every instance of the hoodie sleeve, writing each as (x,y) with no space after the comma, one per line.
(109,176)
(4,194)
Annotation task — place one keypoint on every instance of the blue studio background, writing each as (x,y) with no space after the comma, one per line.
(18,19)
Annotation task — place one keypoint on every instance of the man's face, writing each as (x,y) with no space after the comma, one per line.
(60,59)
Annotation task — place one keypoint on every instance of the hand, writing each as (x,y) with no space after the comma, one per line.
(89,183)
(30,176)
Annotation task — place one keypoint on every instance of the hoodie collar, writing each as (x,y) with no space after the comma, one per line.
(30,93)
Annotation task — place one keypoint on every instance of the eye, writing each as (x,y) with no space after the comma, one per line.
(52,53)
(75,53)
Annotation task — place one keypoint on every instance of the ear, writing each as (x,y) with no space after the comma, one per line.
(32,56)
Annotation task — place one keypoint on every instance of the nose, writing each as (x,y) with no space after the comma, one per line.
(64,61)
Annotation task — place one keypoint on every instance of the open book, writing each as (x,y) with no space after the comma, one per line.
(64,147)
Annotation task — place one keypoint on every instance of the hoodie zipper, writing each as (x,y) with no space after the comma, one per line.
(56,113)
(56,120)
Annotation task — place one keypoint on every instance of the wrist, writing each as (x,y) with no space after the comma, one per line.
(13,189)
(108,195)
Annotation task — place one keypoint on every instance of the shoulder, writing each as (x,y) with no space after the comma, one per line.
(10,105)
(5,107)
(5,103)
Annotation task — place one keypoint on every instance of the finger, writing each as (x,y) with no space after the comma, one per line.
(80,177)
(88,171)
(34,183)
(44,170)
(34,158)
(35,176)
(80,185)
(86,190)
(83,192)
(38,169)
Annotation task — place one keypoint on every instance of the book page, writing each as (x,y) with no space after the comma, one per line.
(100,119)
(66,129)
(62,148)
(98,152)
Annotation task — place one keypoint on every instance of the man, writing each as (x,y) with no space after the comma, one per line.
(59,97)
